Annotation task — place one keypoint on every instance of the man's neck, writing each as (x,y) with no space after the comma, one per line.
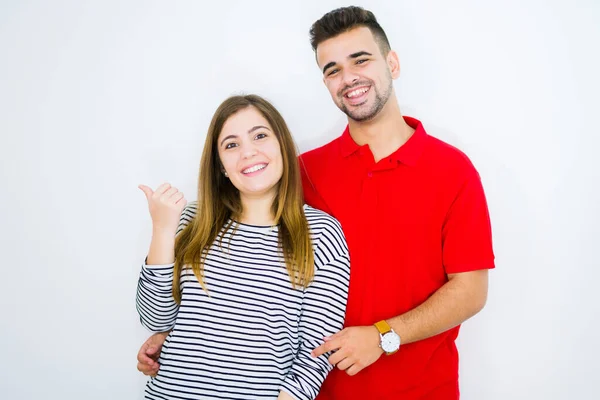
(385,133)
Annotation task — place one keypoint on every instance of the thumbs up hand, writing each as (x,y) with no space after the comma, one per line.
(166,204)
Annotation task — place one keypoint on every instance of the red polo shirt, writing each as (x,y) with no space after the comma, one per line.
(409,220)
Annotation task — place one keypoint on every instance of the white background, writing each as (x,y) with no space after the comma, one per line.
(99,96)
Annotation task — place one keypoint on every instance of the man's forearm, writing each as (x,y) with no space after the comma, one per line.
(463,296)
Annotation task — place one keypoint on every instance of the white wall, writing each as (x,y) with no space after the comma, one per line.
(96,97)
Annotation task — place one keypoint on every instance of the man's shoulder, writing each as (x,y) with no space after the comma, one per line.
(446,154)
(317,155)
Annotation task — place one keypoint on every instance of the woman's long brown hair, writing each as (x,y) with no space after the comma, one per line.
(219,200)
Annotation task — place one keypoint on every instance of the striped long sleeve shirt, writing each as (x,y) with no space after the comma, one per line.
(251,335)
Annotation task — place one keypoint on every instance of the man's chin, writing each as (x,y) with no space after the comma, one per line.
(360,117)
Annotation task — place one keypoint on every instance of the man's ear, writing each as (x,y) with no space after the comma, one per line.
(393,64)
(317,61)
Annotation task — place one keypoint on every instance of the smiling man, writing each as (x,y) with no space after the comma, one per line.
(415,217)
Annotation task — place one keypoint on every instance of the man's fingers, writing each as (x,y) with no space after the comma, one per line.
(322,349)
(153,351)
(337,357)
(147,370)
(143,349)
(325,348)
(145,359)
(149,353)
(353,370)
(334,336)
(145,353)
(344,364)
(143,367)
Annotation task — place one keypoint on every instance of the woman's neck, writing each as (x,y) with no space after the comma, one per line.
(257,210)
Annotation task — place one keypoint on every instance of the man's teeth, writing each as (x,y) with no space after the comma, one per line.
(254,169)
(357,92)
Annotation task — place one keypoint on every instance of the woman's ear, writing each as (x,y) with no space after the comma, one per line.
(223,170)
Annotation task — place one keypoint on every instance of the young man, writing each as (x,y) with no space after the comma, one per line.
(416,220)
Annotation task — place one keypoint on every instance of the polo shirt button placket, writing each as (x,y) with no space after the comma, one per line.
(370,174)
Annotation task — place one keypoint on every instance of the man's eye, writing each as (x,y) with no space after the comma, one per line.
(362,61)
(230,145)
(333,71)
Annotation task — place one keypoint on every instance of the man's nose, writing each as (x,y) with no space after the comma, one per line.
(349,77)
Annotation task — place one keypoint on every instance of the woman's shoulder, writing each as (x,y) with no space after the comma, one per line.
(329,242)
(187,215)
(320,222)
(191,208)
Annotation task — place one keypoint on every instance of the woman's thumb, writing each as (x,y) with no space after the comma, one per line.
(147,191)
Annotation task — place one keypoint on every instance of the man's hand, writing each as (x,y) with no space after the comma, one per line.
(149,353)
(354,348)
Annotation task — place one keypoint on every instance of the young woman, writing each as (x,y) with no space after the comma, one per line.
(249,280)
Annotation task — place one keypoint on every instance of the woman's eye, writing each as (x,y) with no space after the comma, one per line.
(230,145)
(261,135)
(361,61)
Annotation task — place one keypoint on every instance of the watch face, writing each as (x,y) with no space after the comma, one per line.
(390,342)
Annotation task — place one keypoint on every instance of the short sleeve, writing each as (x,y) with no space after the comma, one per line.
(467,233)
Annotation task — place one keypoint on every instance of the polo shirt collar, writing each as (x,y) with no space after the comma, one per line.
(408,153)
(348,145)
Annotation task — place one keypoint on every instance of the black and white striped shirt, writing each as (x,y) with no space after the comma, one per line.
(252,334)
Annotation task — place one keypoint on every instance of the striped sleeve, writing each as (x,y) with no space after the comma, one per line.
(323,309)
(154,300)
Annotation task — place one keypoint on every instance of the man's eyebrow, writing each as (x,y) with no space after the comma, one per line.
(328,65)
(359,53)
(351,56)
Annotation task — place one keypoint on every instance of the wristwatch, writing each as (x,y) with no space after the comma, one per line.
(389,340)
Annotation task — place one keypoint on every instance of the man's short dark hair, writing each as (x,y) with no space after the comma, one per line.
(344,19)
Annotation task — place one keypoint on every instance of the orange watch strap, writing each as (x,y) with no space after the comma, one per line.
(383,327)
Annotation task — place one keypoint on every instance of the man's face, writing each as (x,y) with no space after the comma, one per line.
(358,77)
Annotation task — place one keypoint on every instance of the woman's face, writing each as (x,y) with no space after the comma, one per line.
(250,154)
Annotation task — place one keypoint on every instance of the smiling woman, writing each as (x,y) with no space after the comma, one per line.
(251,158)
(241,278)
